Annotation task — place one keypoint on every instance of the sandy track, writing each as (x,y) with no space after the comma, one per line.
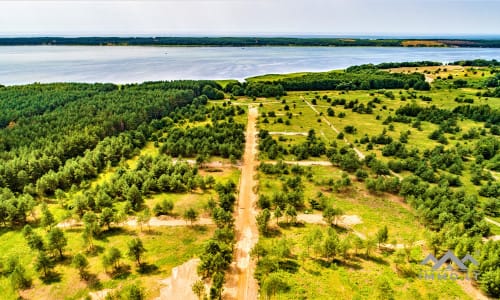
(303,162)
(288,133)
(153,222)
(241,283)
(492,221)
(358,152)
(178,286)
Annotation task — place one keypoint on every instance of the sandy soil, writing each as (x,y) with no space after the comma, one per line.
(343,221)
(157,222)
(288,133)
(241,283)
(99,295)
(153,222)
(178,286)
(303,162)
(471,290)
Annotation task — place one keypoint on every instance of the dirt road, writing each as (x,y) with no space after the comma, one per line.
(241,283)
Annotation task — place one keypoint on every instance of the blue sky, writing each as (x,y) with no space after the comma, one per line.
(240,17)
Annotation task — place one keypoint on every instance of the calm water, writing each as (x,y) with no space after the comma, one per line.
(27,64)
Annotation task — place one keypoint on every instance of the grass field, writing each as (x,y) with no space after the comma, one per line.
(165,248)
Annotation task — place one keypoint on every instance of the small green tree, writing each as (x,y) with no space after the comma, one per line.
(330,215)
(190,215)
(384,290)
(357,243)
(277,214)
(370,244)
(107,217)
(274,284)
(47,219)
(43,263)
(91,228)
(134,196)
(144,218)
(18,278)
(263,220)
(258,251)
(165,207)
(199,289)
(56,241)
(135,250)
(81,263)
(112,258)
(291,213)
(330,246)
(34,241)
(382,235)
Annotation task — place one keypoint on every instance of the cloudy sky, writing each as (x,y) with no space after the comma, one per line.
(225,17)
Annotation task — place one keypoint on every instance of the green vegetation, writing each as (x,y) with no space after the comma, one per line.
(93,169)
(391,167)
(423,185)
(247,41)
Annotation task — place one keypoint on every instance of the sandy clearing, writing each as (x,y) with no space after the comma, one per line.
(343,221)
(288,133)
(158,222)
(178,286)
(303,162)
(153,222)
(471,290)
(241,283)
(100,295)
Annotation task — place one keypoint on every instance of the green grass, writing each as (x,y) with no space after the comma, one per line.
(166,248)
(356,278)
(375,210)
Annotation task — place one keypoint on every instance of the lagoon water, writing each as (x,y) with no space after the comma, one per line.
(117,64)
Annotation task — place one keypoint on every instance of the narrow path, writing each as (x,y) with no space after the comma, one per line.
(153,222)
(303,162)
(491,221)
(241,283)
(358,152)
(288,133)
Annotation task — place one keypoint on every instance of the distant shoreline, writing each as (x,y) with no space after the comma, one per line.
(250,42)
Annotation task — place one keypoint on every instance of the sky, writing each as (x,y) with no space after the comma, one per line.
(249,17)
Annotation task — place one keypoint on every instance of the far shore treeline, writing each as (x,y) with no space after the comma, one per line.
(248,41)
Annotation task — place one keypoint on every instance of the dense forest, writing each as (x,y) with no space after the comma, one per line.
(56,138)
(249,41)
(363,77)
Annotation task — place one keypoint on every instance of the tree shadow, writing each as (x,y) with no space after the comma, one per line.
(312,272)
(273,232)
(93,282)
(121,272)
(95,250)
(113,231)
(52,277)
(199,228)
(289,266)
(146,268)
(351,264)
(322,262)
(377,260)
